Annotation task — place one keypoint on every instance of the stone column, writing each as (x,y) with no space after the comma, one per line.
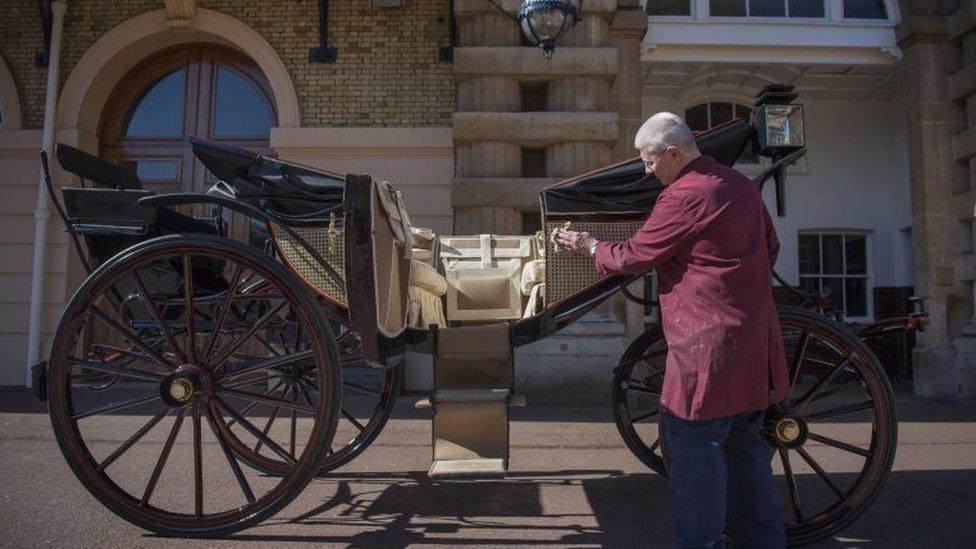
(940,151)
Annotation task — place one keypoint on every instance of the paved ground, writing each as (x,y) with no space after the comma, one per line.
(572,484)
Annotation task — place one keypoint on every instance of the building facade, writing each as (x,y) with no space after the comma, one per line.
(450,104)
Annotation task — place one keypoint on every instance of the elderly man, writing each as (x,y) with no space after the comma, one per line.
(713,245)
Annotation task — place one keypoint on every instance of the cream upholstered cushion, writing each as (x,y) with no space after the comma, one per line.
(425,309)
(536,298)
(533,273)
(425,276)
(427,288)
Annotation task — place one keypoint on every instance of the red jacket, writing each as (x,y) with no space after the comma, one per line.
(713,245)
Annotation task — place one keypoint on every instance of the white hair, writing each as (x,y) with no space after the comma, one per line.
(665,130)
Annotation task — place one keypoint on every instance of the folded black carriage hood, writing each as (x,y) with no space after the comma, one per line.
(283,188)
(624,188)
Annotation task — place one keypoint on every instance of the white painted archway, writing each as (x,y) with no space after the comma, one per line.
(11,118)
(106,62)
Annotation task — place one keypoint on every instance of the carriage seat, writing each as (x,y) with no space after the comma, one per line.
(484,276)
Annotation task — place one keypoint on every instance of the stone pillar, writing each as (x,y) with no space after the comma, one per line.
(626,34)
(941,150)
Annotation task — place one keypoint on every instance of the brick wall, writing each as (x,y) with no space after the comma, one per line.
(387,72)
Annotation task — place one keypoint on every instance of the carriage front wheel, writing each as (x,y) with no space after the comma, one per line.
(840,409)
(157,352)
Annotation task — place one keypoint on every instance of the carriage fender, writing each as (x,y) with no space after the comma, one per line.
(180,199)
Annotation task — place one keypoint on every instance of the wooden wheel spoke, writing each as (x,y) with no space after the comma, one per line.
(791,484)
(116,406)
(841,410)
(820,471)
(163,457)
(820,384)
(798,360)
(130,337)
(360,388)
(654,445)
(275,362)
(352,420)
(190,308)
(637,386)
(295,406)
(107,368)
(231,460)
(247,409)
(840,445)
(226,352)
(154,312)
(256,433)
(197,463)
(294,423)
(271,419)
(133,439)
(222,314)
(642,417)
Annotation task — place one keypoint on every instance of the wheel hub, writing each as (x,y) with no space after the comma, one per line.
(790,431)
(183,385)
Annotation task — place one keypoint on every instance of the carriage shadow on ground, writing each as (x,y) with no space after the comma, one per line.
(916,509)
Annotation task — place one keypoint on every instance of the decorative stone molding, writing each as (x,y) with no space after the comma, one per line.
(520,192)
(180,14)
(536,127)
(519,62)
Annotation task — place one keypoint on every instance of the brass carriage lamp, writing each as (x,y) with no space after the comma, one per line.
(543,21)
(778,121)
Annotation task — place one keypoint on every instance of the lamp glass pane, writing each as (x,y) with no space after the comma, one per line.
(784,126)
(546,24)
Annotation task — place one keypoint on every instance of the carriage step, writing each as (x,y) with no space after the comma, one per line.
(471,395)
(444,468)
(517,401)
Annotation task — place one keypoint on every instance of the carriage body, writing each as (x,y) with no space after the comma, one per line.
(232,335)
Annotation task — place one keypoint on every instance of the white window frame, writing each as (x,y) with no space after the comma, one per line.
(833,13)
(868,275)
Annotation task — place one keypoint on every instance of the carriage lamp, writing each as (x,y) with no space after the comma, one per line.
(778,121)
(543,21)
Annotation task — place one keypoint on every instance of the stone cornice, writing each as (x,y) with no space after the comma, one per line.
(520,192)
(963,21)
(471,7)
(515,62)
(539,128)
(629,24)
(922,28)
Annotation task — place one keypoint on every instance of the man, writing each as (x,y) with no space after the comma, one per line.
(713,245)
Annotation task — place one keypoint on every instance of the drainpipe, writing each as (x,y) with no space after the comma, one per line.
(42,213)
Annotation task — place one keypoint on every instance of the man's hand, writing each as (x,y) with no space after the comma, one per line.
(578,242)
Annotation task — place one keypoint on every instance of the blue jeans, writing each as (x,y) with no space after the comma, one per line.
(720,470)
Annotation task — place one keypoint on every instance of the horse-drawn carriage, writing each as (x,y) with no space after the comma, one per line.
(291,351)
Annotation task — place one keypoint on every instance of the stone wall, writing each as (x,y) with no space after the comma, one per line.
(939,43)
(387,72)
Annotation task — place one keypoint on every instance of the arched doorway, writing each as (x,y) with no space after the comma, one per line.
(201,90)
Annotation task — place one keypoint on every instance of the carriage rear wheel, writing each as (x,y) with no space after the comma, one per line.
(368,396)
(840,409)
(171,336)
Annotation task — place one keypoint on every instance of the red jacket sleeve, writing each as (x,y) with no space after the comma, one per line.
(667,230)
(772,242)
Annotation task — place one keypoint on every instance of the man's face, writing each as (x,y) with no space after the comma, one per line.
(665,165)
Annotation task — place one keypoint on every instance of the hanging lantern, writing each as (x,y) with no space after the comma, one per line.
(543,21)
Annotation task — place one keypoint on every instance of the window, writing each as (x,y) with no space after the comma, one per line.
(533,96)
(190,90)
(838,262)
(533,162)
(865,9)
(668,7)
(769,8)
(708,115)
